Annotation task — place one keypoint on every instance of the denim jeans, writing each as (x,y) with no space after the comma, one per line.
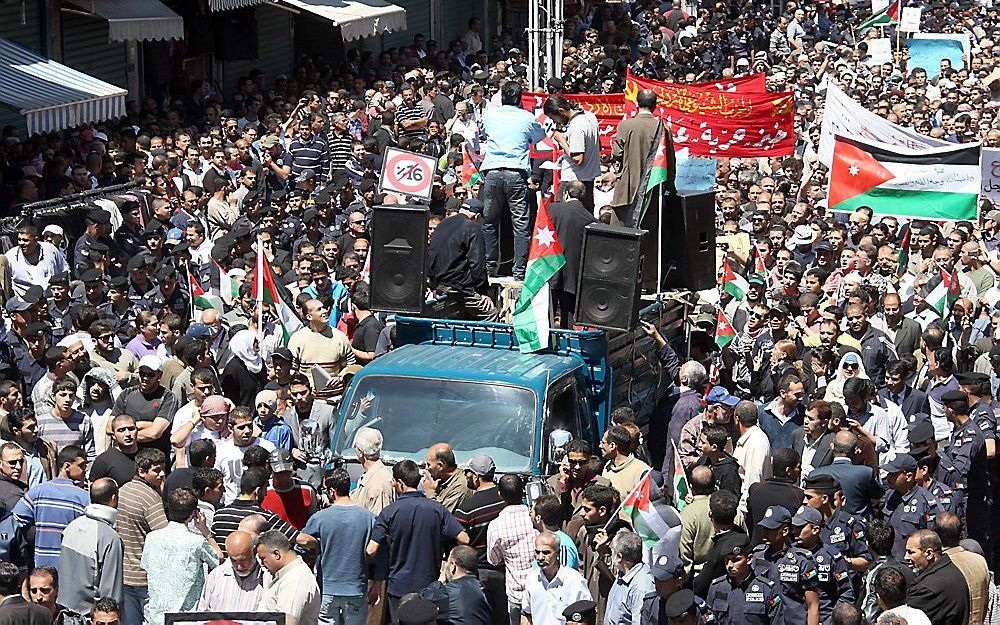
(508,189)
(136,598)
(343,610)
(514,611)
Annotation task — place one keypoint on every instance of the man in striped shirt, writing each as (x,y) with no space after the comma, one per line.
(50,506)
(309,153)
(340,141)
(140,512)
(412,116)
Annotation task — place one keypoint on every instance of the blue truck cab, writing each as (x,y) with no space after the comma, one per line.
(466,383)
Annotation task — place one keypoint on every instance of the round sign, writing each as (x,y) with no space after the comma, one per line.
(408,174)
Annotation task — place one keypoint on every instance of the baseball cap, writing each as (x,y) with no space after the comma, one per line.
(174,235)
(266,397)
(33,294)
(214,405)
(902,463)
(16,304)
(666,566)
(472,205)
(851,358)
(281,460)
(269,142)
(283,353)
(481,464)
(806,515)
(151,361)
(719,395)
(775,517)
(57,230)
(993,215)
(198,331)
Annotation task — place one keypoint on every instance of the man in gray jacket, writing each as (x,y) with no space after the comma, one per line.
(90,561)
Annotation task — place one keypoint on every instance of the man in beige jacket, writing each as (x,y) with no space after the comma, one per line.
(972,565)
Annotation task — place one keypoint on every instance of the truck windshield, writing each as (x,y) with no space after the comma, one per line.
(414,413)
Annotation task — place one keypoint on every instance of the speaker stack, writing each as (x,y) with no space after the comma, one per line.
(608,288)
(398,258)
(679,251)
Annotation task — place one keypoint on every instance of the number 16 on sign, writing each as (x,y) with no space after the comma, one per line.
(408,173)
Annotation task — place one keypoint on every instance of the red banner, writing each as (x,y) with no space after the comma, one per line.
(608,108)
(722,119)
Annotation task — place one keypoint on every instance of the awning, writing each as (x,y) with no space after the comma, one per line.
(138,20)
(356,18)
(226,5)
(52,96)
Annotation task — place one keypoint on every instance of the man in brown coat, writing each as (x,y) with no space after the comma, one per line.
(972,565)
(631,149)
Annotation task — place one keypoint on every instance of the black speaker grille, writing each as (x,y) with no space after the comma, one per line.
(399,253)
(608,288)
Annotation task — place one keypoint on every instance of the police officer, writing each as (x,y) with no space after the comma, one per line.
(977,387)
(909,507)
(833,583)
(583,612)
(971,478)
(139,282)
(683,608)
(168,297)
(59,304)
(741,595)
(842,531)
(791,568)
(31,365)
(119,309)
(667,571)
(923,448)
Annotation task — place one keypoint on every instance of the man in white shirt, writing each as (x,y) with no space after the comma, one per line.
(580,143)
(33,261)
(752,449)
(293,590)
(551,588)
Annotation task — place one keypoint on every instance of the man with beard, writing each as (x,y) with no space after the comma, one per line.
(152,405)
(904,332)
(876,349)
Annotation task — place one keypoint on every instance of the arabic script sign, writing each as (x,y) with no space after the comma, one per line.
(991,175)
(722,120)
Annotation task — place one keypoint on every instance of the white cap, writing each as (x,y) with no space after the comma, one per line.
(54,229)
(151,362)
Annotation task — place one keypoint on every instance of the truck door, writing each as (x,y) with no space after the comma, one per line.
(562,412)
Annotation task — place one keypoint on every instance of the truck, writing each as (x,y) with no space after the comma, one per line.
(467,384)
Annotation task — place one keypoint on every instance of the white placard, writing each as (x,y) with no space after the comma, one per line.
(407,172)
(880,51)
(909,21)
(879,5)
(990,162)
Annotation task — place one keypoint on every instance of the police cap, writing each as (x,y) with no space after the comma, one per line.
(823,483)
(679,604)
(954,396)
(580,611)
(417,611)
(775,517)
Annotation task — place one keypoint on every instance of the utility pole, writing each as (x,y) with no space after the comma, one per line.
(545,41)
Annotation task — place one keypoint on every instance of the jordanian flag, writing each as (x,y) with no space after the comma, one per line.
(733,283)
(531,315)
(266,290)
(646,520)
(724,332)
(886,17)
(656,175)
(945,293)
(934,183)
(200,299)
(680,482)
(470,169)
(229,289)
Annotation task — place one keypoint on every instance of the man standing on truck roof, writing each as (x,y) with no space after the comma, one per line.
(623,469)
(443,481)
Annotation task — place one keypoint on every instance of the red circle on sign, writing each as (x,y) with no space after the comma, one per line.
(404,178)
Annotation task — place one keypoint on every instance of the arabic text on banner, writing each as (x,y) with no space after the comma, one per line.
(722,120)
(991,174)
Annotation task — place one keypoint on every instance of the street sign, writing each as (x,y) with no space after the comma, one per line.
(407,172)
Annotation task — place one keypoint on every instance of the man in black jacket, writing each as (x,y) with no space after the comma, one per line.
(12,485)
(458,593)
(940,590)
(780,490)
(570,218)
(457,261)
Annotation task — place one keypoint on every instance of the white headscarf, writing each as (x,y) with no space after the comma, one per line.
(242,346)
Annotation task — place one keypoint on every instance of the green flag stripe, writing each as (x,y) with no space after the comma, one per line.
(539,271)
(935,205)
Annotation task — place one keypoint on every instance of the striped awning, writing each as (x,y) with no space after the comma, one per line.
(356,18)
(52,96)
(136,20)
(227,5)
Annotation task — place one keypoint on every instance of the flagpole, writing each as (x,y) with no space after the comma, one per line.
(259,277)
(187,266)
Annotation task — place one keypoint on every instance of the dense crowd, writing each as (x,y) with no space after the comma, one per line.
(166,447)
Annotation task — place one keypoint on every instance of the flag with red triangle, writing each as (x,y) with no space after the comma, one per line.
(733,283)
(724,331)
(657,163)
(944,294)
(201,300)
(532,315)
(885,17)
(470,170)
(930,183)
(265,290)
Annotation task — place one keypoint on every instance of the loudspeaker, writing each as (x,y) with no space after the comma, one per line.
(679,252)
(399,256)
(607,292)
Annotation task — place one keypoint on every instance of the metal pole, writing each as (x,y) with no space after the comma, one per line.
(557,70)
(548,40)
(532,44)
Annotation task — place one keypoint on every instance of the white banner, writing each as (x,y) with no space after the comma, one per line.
(844,116)
(880,51)
(990,160)
(909,21)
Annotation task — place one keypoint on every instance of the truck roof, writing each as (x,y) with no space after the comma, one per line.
(474,364)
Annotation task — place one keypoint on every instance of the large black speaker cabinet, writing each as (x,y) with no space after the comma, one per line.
(399,254)
(679,251)
(607,292)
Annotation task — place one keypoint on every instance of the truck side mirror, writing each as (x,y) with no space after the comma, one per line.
(558,441)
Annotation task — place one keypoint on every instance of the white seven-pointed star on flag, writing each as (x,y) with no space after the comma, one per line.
(545,236)
(853,170)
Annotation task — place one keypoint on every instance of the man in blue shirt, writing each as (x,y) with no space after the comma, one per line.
(343,531)
(510,133)
(413,527)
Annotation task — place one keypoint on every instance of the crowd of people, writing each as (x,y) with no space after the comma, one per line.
(166,431)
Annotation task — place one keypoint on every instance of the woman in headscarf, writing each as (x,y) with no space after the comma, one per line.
(850,366)
(245,374)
